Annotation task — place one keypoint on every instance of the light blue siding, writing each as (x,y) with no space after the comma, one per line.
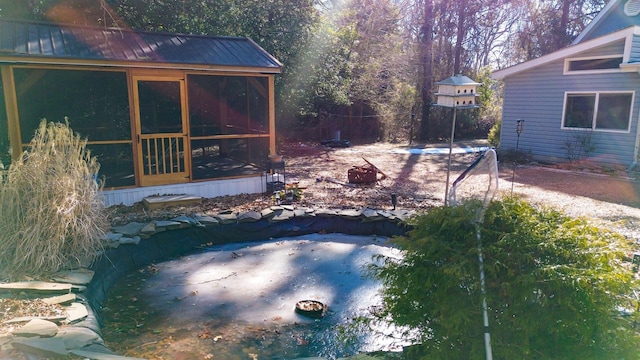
(537,96)
(635,50)
(615,48)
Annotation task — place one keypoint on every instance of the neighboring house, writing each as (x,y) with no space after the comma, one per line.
(581,102)
(163,113)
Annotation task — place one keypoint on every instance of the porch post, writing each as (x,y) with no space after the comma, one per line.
(272,115)
(11,104)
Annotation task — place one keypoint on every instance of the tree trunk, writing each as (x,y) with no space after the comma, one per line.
(462,8)
(426,39)
(561,31)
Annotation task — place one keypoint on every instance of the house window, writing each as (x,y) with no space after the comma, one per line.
(608,63)
(598,111)
(593,65)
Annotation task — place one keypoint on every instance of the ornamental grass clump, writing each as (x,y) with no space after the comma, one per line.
(51,210)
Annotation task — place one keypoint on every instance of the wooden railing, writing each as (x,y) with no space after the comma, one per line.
(163,154)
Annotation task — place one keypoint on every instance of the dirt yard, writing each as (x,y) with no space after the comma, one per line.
(418,182)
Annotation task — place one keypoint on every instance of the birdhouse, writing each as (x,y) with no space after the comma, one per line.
(457,91)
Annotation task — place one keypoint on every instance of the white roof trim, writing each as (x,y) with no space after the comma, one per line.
(630,67)
(624,34)
(595,20)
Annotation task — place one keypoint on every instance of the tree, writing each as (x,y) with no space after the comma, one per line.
(357,62)
(553,285)
(493,25)
(463,7)
(447,47)
(79,12)
(426,48)
(382,76)
(551,25)
(490,111)
(319,80)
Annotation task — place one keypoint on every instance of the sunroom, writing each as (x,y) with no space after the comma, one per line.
(163,113)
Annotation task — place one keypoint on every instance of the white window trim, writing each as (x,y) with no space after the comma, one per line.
(595,111)
(567,62)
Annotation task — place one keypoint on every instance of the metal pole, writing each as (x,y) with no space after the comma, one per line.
(413,116)
(453,129)
(519,130)
(515,164)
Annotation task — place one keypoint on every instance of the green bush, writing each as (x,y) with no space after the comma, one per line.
(493,138)
(553,285)
(51,209)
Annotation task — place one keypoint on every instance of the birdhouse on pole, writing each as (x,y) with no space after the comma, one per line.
(458,92)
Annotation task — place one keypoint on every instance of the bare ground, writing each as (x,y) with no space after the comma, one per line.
(609,196)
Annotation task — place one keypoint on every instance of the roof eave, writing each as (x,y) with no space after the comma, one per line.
(32,60)
(568,51)
(266,53)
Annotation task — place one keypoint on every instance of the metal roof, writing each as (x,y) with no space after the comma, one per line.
(33,41)
(458,80)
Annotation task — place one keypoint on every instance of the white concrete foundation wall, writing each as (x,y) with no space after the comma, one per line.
(207,189)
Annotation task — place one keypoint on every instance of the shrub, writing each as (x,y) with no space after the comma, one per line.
(51,210)
(513,156)
(553,285)
(579,145)
(494,134)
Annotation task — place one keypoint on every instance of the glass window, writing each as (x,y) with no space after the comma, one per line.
(595,64)
(613,111)
(599,111)
(579,111)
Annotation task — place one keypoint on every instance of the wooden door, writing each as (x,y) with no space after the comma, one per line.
(163,147)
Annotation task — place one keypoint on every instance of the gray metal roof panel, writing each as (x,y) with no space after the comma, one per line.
(30,39)
(20,39)
(57,44)
(457,80)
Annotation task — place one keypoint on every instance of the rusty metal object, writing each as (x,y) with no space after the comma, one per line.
(362,175)
(367,174)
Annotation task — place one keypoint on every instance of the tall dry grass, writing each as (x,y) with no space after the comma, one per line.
(51,209)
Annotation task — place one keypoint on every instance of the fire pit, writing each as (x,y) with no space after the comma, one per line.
(311,308)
